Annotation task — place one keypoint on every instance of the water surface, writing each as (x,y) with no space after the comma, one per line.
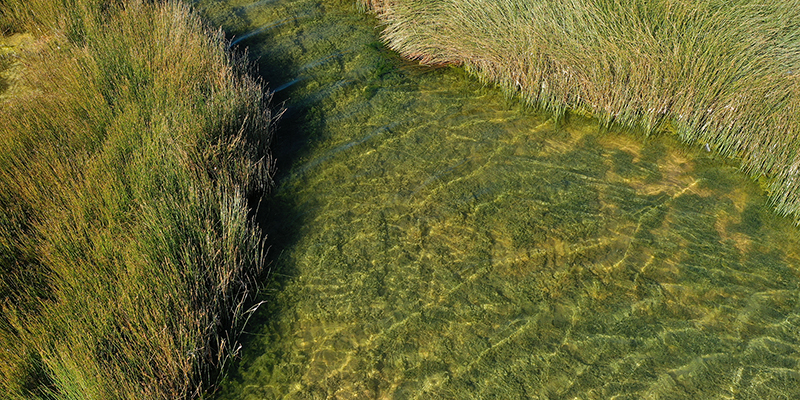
(433,239)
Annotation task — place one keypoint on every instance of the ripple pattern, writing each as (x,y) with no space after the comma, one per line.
(436,240)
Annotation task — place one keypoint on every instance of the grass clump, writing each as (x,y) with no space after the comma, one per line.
(723,73)
(126,244)
(5,62)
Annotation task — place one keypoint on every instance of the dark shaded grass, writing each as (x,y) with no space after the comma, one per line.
(5,63)
(127,248)
(718,72)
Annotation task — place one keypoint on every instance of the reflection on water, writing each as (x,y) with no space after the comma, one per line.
(435,240)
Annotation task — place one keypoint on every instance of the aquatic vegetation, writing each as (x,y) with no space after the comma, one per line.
(722,74)
(440,240)
(127,246)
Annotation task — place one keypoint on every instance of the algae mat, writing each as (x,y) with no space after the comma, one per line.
(434,240)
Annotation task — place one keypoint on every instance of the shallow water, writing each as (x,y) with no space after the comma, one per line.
(433,239)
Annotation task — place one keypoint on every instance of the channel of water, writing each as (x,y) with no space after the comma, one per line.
(433,239)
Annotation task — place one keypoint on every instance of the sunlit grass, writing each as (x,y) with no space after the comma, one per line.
(722,73)
(126,246)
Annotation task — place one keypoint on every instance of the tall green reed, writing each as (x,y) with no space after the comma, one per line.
(127,247)
(722,73)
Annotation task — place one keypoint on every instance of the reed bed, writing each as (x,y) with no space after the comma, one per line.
(127,246)
(722,73)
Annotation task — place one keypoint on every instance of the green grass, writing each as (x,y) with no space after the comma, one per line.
(5,63)
(126,245)
(726,73)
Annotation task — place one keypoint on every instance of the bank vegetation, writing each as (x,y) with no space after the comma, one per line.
(127,244)
(720,73)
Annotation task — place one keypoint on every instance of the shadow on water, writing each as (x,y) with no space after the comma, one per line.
(277,41)
(433,239)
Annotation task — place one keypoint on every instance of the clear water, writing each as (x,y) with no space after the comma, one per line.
(433,239)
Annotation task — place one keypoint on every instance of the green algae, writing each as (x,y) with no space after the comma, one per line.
(438,240)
